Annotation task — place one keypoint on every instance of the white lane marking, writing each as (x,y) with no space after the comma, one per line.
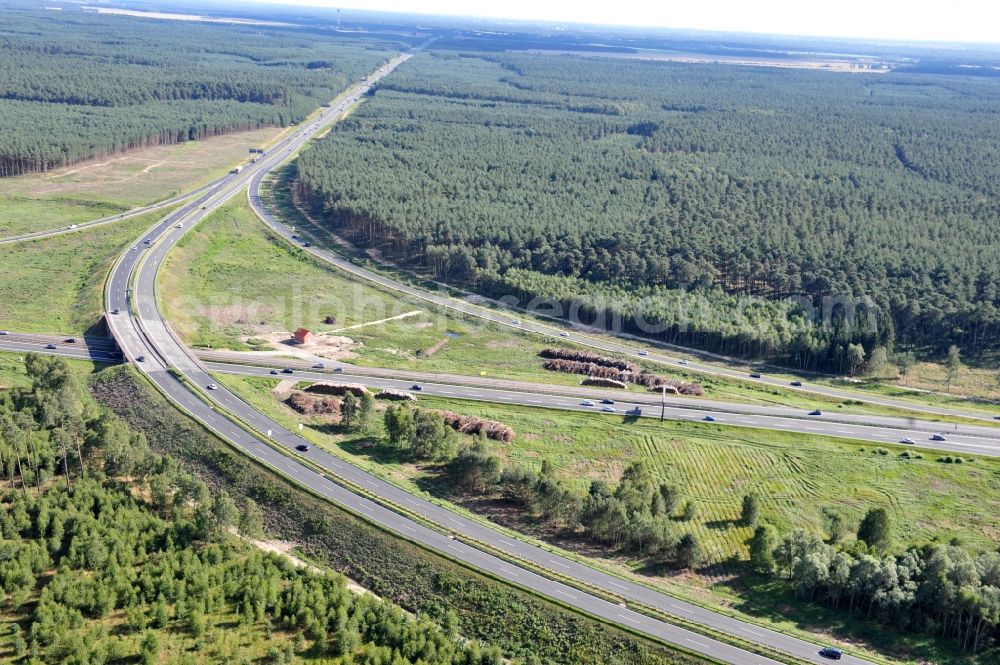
(559,563)
(701,644)
(627,618)
(509,571)
(568,595)
(617,585)
(454,548)
(408,528)
(682,609)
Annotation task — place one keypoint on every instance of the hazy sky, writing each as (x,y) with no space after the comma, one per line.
(950,20)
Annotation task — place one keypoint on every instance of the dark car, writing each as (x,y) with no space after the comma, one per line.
(938,437)
(70,340)
(141,359)
(831,652)
(302,447)
(116,311)
(274,371)
(816,412)
(307,244)
(51,346)
(709,419)
(797,384)
(416,386)
(607,401)
(755,375)
(287,370)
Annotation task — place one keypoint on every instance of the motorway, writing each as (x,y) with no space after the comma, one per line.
(962,439)
(145,338)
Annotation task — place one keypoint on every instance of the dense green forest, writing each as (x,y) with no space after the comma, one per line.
(75,85)
(743,210)
(126,555)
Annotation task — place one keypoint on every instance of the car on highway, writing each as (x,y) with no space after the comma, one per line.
(938,437)
(320,366)
(274,371)
(116,311)
(4,332)
(815,412)
(634,412)
(682,362)
(607,401)
(797,384)
(287,370)
(608,409)
(302,447)
(338,370)
(140,359)
(644,353)
(832,653)
(564,334)
(72,226)
(587,402)
(417,387)
(70,340)
(51,346)
(709,419)
(755,375)
(178,226)
(147,241)
(212,386)
(907,439)
(307,244)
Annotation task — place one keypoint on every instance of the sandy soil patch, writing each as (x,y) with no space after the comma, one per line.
(283,388)
(404,315)
(284,548)
(323,346)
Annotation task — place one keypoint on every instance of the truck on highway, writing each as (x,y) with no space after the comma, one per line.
(237,169)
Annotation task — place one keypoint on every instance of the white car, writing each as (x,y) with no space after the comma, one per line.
(608,409)
(586,402)
(212,386)
(644,353)
(564,334)
(179,226)
(908,440)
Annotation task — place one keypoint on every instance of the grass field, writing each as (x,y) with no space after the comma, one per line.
(797,475)
(55,285)
(101,187)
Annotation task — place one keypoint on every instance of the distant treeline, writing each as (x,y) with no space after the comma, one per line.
(749,211)
(78,85)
